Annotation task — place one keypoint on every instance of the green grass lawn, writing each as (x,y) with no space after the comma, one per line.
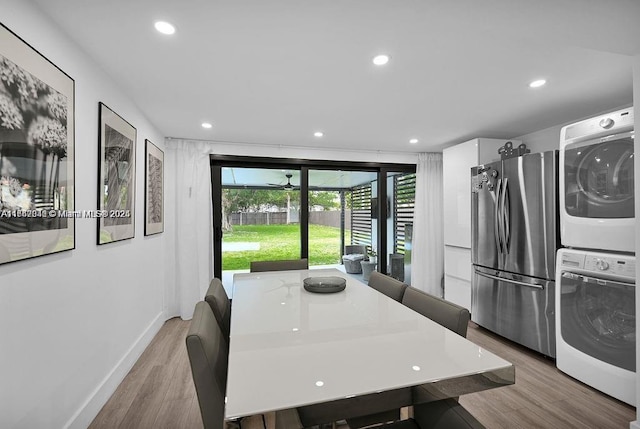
(282,242)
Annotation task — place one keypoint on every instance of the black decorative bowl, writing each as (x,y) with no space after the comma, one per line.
(329,284)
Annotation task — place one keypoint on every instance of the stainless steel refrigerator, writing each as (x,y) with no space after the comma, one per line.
(513,246)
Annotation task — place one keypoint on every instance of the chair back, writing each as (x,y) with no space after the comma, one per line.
(444,414)
(219,302)
(355,248)
(359,411)
(389,286)
(208,356)
(447,314)
(285,265)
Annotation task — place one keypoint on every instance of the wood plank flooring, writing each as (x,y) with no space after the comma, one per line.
(158,392)
(543,396)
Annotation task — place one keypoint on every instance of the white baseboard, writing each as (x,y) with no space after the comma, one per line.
(94,403)
(634,425)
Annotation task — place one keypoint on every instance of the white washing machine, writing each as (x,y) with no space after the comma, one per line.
(596,183)
(596,320)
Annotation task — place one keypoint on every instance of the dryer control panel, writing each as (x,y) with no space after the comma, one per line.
(607,265)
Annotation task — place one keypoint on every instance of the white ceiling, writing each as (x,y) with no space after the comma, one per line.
(273,72)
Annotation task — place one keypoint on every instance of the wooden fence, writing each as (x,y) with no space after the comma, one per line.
(327,218)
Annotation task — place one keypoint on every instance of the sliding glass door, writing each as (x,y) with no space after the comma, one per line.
(271,209)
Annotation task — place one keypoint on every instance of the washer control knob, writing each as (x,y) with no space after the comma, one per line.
(606,123)
(602,264)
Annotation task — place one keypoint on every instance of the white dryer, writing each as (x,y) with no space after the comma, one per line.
(596,183)
(596,320)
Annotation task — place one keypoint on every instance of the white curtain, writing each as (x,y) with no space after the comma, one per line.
(427,259)
(193,240)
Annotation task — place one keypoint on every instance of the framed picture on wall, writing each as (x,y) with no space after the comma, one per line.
(153,189)
(116,177)
(36,153)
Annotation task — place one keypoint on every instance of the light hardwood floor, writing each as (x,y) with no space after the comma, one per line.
(158,392)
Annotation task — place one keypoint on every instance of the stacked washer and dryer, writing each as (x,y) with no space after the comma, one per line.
(595,271)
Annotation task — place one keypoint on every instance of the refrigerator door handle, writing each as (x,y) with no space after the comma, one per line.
(496,218)
(532,285)
(505,214)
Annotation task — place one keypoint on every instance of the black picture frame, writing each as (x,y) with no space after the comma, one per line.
(37,153)
(153,189)
(116,177)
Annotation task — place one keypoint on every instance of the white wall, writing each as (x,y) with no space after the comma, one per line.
(73,323)
(300,152)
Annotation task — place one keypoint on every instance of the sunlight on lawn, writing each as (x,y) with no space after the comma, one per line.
(281,242)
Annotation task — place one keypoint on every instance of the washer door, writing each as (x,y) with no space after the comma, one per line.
(598,318)
(599,179)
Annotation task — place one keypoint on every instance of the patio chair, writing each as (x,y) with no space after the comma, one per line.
(353,254)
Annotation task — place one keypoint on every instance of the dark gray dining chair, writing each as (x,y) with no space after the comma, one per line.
(452,316)
(441,311)
(387,285)
(284,265)
(208,357)
(442,414)
(219,302)
(359,411)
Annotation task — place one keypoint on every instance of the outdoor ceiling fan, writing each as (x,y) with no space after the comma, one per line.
(288,186)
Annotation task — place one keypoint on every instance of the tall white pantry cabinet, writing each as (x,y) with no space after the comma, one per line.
(456,168)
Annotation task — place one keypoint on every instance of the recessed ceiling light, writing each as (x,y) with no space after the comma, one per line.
(318,134)
(381,59)
(206,125)
(537,83)
(413,141)
(164,27)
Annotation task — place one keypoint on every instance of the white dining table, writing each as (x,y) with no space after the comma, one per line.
(290,347)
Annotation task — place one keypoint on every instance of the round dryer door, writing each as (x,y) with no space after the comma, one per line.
(599,179)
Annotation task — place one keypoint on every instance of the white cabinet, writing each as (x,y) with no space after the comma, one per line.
(457,278)
(456,177)
(456,168)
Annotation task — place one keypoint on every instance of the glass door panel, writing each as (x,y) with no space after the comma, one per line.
(401,190)
(339,214)
(260,216)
